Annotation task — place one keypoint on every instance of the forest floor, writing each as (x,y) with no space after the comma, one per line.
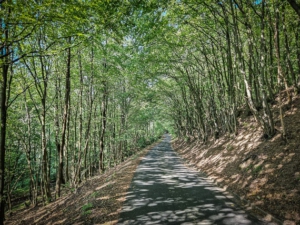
(264,173)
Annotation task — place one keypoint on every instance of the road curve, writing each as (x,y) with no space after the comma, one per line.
(164,191)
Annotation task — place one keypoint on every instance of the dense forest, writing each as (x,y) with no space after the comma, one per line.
(87,83)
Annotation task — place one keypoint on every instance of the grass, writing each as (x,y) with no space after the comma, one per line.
(245,124)
(229,147)
(94,194)
(254,169)
(86,209)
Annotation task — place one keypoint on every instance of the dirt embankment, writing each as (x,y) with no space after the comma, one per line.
(263,172)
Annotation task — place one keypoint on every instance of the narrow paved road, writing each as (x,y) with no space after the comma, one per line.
(164,191)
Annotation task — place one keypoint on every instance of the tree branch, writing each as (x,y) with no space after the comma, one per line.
(295,6)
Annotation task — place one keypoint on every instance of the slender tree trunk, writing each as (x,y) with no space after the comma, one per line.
(297,37)
(56,120)
(3,117)
(267,114)
(279,70)
(103,125)
(59,175)
(3,109)
(66,152)
(87,135)
(28,147)
(80,138)
(90,101)
(231,80)
(45,174)
(288,54)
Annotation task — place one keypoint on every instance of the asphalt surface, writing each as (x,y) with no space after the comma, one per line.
(164,191)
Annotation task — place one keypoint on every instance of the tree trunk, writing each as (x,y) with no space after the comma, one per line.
(288,55)
(3,117)
(59,175)
(279,71)
(103,126)
(297,31)
(28,146)
(3,109)
(267,119)
(295,6)
(45,174)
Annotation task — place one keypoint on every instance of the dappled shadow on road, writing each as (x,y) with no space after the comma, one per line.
(164,191)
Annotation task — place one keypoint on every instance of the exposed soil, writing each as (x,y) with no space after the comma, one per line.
(97,201)
(264,172)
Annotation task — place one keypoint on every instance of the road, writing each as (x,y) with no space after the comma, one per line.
(164,191)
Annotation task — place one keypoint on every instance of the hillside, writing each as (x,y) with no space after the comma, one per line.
(264,173)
